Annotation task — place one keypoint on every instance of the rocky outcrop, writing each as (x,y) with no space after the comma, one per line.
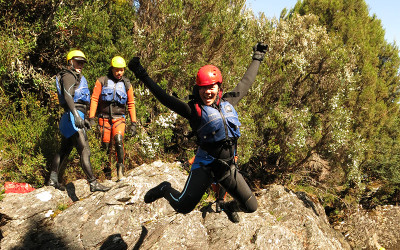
(119,219)
(378,228)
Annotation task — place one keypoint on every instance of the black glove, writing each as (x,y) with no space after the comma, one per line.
(87,124)
(137,68)
(79,122)
(92,122)
(132,129)
(259,51)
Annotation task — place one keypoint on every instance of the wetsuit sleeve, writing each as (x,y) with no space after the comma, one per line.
(171,102)
(94,101)
(244,85)
(131,104)
(68,82)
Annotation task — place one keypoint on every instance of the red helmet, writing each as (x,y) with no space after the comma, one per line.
(208,75)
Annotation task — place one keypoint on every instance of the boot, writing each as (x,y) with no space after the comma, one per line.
(120,171)
(156,192)
(218,208)
(96,186)
(230,208)
(233,216)
(53,181)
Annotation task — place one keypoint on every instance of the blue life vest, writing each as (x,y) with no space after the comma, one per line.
(218,125)
(82,93)
(114,92)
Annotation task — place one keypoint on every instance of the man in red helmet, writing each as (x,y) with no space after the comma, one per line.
(213,117)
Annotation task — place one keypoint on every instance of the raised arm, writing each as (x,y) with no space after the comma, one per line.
(171,102)
(249,77)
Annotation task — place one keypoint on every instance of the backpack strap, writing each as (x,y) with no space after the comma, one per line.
(195,104)
(198,109)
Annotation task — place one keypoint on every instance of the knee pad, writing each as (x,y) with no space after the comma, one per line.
(119,147)
(119,140)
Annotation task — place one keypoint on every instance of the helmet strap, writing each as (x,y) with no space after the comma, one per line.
(219,97)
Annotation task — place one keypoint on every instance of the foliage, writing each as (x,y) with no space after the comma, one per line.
(301,90)
(373,101)
(27,141)
(324,103)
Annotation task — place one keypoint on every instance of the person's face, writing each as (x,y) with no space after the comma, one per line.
(118,72)
(208,93)
(77,65)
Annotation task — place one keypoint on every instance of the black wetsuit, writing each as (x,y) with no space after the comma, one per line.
(70,81)
(223,169)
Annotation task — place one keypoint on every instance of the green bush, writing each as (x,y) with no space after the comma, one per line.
(27,141)
(327,89)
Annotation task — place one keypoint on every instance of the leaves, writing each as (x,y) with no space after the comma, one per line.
(327,88)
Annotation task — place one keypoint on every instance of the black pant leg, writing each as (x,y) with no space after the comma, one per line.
(82,145)
(59,160)
(237,187)
(196,185)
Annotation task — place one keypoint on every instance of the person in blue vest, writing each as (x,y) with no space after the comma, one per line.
(74,98)
(112,94)
(213,118)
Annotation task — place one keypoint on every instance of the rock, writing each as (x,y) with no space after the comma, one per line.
(378,228)
(119,219)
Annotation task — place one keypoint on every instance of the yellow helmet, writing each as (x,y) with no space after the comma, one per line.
(76,55)
(118,62)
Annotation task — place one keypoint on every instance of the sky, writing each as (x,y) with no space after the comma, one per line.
(388,11)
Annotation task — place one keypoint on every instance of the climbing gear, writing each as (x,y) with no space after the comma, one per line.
(218,208)
(76,55)
(96,186)
(109,128)
(208,75)
(81,94)
(17,187)
(120,171)
(156,192)
(118,62)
